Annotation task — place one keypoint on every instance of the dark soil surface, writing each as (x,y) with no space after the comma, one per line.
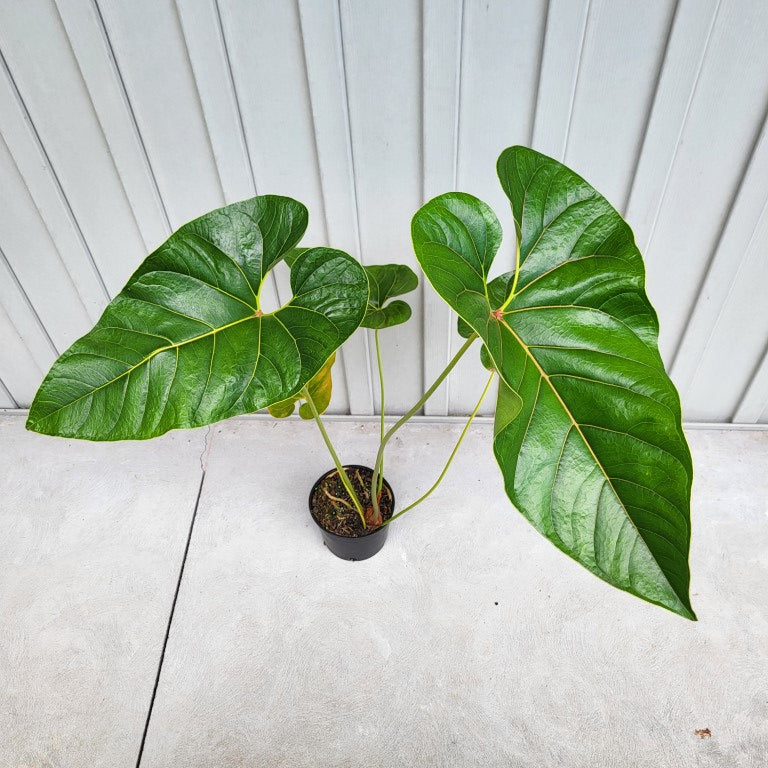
(332,508)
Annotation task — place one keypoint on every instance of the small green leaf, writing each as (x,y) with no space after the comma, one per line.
(387,281)
(394,313)
(588,430)
(185,343)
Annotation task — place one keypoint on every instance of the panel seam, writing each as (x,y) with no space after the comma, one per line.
(134,121)
(53,175)
(203,456)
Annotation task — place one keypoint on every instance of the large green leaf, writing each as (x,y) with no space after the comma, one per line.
(588,429)
(185,343)
(387,281)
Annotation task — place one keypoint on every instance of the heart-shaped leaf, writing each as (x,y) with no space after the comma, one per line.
(320,388)
(185,343)
(387,281)
(588,431)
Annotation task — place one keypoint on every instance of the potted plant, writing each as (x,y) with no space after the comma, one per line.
(587,431)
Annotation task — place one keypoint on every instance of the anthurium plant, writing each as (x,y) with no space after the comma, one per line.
(587,432)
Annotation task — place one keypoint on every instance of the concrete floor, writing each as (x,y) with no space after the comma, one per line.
(281,655)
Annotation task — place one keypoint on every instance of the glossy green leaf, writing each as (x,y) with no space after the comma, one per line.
(320,388)
(387,281)
(292,254)
(185,343)
(588,430)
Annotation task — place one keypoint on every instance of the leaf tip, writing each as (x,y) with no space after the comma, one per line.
(689,614)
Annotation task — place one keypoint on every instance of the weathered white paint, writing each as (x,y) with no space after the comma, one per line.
(442,39)
(500,61)
(381,41)
(120,121)
(728,328)
(621,56)
(23,360)
(97,63)
(6,401)
(713,151)
(40,60)
(23,234)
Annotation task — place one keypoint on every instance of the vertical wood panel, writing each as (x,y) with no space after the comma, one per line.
(713,150)
(501,57)
(499,86)
(210,60)
(624,44)
(209,57)
(443,22)
(45,71)
(560,59)
(725,337)
(688,44)
(150,52)
(31,259)
(382,56)
(326,77)
(93,51)
(269,80)
(247,108)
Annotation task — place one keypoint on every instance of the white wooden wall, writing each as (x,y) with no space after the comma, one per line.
(122,119)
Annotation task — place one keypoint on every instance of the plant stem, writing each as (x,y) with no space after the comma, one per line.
(381,384)
(406,417)
(514,280)
(342,472)
(451,457)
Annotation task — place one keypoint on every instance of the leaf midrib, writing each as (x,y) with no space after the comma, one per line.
(152,354)
(212,332)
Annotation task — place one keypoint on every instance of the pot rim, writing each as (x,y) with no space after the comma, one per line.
(341,535)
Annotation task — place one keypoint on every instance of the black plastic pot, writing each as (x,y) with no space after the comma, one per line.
(352,547)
